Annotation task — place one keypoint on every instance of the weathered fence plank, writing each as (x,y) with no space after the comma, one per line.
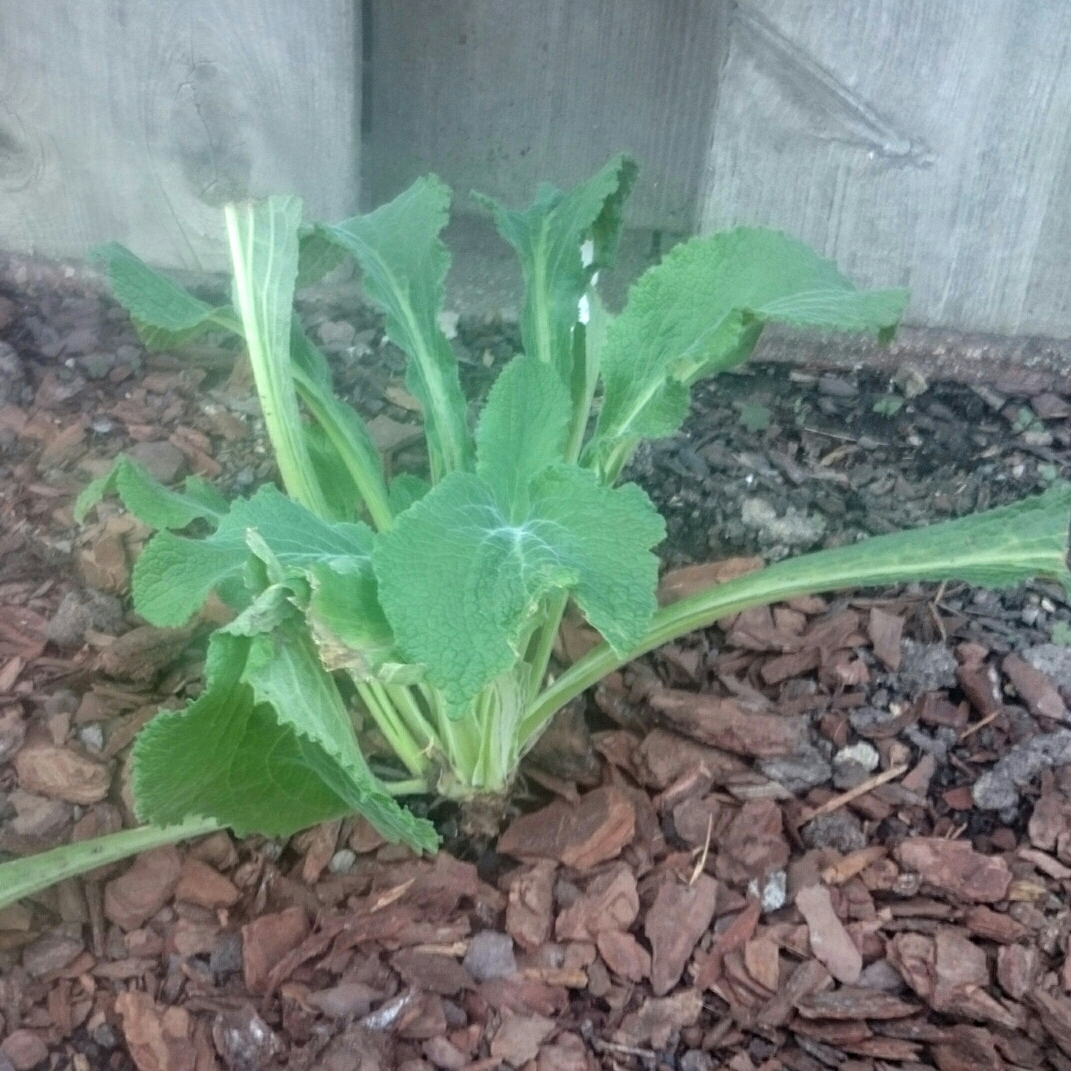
(918,143)
(137,119)
(498,95)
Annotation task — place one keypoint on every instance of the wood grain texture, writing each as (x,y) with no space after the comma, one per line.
(498,95)
(137,119)
(917,143)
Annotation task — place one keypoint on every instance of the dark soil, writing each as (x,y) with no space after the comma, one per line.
(834,835)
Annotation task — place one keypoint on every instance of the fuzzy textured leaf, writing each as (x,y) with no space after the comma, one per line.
(174,575)
(462,580)
(268,747)
(404,264)
(701,311)
(547,237)
(163,314)
(522,429)
(149,500)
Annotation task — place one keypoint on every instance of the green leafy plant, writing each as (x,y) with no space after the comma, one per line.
(426,606)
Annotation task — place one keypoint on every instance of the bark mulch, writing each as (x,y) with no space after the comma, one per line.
(833,834)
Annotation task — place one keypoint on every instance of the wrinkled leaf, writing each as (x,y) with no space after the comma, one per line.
(163,314)
(267,747)
(151,502)
(462,582)
(174,575)
(547,237)
(522,429)
(701,311)
(404,264)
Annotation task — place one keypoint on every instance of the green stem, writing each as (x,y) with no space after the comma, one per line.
(539,659)
(390,725)
(367,475)
(262,283)
(415,786)
(25,877)
(411,714)
(994,549)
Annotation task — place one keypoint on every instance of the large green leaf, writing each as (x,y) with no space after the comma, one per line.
(163,314)
(548,237)
(404,264)
(701,311)
(174,575)
(994,549)
(522,429)
(463,580)
(268,747)
(263,240)
(151,502)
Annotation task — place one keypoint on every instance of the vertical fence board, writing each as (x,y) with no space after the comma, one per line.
(137,120)
(498,95)
(918,144)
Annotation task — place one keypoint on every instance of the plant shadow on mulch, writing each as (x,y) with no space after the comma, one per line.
(831,834)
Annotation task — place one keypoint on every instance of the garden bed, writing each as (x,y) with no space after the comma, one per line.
(757,847)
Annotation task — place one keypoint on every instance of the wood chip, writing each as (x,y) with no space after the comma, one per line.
(830,941)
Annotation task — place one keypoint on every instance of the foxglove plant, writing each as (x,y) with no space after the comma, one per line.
(438,595)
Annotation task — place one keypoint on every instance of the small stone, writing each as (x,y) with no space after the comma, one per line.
(697,1060)
(840,830)
(226,955)
(24,1049)
(97,365)
(862,753)
(343,861)
(490,955)
(91,736)
(347,1000)
(133,898)
(854,764)
(336,332)
(837,387)
(926,667)
(773,893)
(870,721)
(244,1040)
(799,772)
(998,788)
(795,529)
(81,610)
(881,975)
(163,461)
(1054,660)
